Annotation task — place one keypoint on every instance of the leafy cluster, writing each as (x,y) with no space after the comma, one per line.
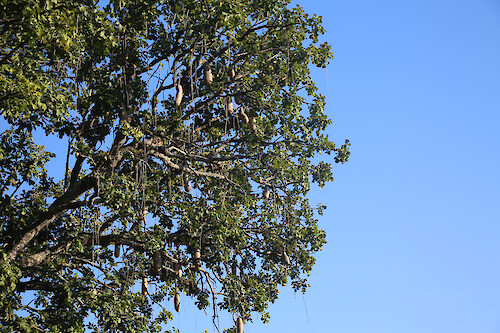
(191,129)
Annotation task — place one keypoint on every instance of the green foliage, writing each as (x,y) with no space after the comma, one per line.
(201,193)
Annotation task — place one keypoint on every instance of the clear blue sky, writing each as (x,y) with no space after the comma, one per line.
(413,220)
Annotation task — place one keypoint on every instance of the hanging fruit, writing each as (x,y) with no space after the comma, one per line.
(180,94)
(178,269)
(239,325)
(243,117)
(208,74)
(229,106)
(234,267)
(157,262)
(265,194)
(286,259)
(186,182)
(237,94)
(252,125)
(144,286)
(117,250)
(197,259)
(177,302)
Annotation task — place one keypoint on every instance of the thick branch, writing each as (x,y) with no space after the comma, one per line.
(171,164)
(35,285)
(63,203)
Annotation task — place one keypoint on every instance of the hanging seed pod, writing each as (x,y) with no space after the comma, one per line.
(157,263)
(144,286)
(243,116)
(180,94)
(233,74)
(237,99)
(265,194)
(237,93)
(229,106)
(286,259)
(208,74)
(234,267)
(177,302)
(178,269)
(239,325)
(117,250)
(197,259)
(252,125)
(186,182)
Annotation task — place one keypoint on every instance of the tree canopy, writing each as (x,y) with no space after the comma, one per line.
(189,137)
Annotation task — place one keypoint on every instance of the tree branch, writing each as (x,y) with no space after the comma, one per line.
(63,203)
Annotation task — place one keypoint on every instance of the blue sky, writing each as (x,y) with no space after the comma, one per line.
(413,219)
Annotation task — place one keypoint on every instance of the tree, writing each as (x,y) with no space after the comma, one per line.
(191,130)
